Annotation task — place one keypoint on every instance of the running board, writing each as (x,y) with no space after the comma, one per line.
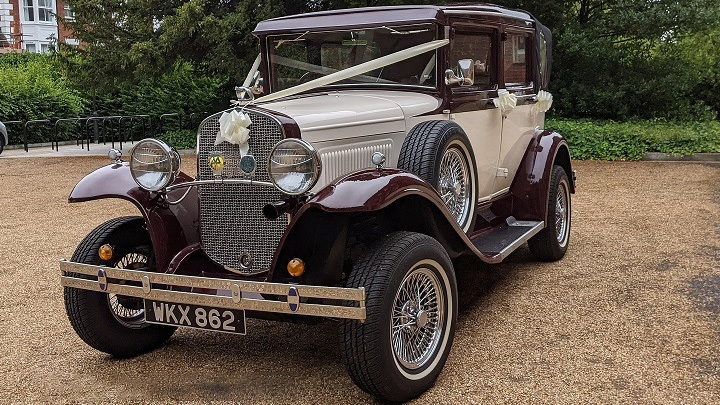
(497,243)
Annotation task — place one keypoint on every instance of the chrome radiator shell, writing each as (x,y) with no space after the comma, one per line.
(232,224)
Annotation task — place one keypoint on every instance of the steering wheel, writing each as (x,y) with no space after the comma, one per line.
(306,77)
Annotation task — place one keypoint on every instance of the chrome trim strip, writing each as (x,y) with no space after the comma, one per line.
(150,280)
(219,181)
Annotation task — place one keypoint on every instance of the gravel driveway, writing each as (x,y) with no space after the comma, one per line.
(632,314)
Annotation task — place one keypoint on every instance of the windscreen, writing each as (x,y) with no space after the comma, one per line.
(300,58)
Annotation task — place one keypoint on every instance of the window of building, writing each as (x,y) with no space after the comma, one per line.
(45,10)
(30,48)
(44,48)
(28,10)
(69,12)
(517,60)
(479,48)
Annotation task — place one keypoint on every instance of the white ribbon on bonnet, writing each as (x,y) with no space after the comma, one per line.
(234,129)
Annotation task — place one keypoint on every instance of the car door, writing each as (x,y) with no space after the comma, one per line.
(472,106)
(518,127)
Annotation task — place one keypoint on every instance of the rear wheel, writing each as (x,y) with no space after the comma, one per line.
(411,304)
(551,243)
(112,323)
(2,144)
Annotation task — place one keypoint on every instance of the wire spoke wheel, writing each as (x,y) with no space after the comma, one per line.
(562,212)
(418,316)
(454,182)
(129,311)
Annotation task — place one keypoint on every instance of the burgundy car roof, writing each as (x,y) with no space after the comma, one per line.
(371,16)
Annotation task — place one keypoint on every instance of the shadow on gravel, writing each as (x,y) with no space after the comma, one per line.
(275,359)
(705,291)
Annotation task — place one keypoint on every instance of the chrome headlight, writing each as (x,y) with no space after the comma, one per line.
(153,164)
(294,166)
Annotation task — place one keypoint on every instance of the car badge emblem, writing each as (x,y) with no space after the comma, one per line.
(216,161)
(248,164)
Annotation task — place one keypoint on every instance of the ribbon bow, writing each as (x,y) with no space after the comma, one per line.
(506,101)
(234,129)
(544,101)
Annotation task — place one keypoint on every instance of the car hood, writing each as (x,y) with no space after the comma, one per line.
(347,114)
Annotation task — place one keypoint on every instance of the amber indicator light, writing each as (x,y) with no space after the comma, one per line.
(105,252)
(296,267)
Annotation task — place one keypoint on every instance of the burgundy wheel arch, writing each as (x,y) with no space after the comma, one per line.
(532,181)
(171,227)
(357,208)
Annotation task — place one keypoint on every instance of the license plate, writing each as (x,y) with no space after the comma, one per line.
(195,316)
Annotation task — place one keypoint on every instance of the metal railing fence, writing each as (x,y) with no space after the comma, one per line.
(110,128)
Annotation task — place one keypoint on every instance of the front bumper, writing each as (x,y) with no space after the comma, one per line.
(215,292)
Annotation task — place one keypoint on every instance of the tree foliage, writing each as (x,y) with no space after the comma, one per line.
(613,58)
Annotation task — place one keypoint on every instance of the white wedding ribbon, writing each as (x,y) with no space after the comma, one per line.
(505,101)
(234,129)
(356,70)
(234,124)
(544,101)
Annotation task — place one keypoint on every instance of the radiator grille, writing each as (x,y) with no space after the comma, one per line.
(231,219)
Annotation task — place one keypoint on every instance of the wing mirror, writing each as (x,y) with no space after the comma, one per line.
(465,76)
(244,94)
(256,85)
(248,93)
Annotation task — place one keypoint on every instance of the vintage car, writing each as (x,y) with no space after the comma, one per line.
(371,153)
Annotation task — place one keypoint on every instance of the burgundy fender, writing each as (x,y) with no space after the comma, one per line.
(171,227)
(531,185)
(322,228)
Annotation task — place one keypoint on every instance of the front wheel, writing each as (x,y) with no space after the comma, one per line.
(411,303)
(112,323)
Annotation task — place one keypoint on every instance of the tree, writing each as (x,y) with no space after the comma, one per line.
(613,58)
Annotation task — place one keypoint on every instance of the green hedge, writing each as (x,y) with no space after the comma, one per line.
(181,90)
(610,140)
(32,88)
(180,139)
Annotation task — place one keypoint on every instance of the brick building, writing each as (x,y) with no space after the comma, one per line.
(32,26)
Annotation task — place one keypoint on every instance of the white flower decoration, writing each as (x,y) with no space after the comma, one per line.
(234,129)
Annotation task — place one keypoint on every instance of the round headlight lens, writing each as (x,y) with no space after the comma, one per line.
(294,166)
(153,164)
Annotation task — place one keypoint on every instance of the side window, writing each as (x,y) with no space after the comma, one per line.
(516,64)
(479,48)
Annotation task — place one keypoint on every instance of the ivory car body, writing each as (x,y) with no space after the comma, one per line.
(371,153)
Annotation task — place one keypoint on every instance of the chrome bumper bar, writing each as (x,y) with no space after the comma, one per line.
(229,294)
